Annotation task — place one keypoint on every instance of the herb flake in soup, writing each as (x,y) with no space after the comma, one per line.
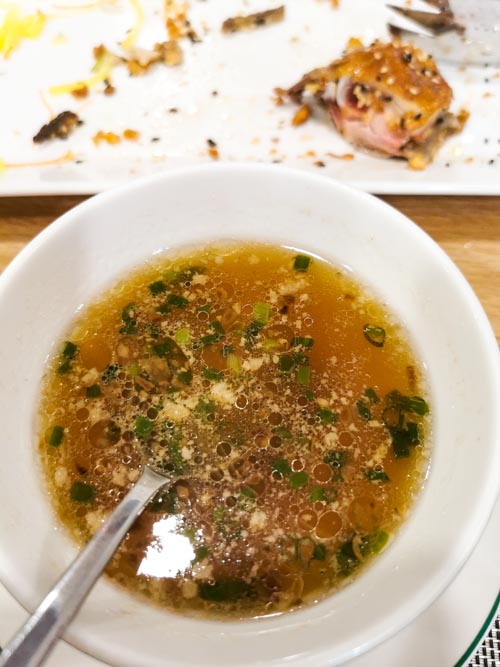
(285,400)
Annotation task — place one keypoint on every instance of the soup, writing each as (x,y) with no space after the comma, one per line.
(284,400)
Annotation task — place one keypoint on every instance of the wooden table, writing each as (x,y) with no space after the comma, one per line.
(467,228)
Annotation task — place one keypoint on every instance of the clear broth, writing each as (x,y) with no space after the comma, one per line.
(284,398)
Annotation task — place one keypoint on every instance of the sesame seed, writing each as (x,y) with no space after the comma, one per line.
(414,90)
(383,70)
(390,80)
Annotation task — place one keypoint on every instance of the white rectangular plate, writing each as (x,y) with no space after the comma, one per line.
(242,117)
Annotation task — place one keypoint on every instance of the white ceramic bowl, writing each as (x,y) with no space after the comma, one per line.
(99,241)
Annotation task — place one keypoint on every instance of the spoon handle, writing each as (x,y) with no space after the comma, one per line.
(31,645)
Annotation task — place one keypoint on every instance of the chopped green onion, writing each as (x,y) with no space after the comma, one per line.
(186,377)
(128,314)
(93,391)
(56,436)
(304,341)
(227,350)
(176,301)
(152,330)
(70,350)
(282,432)
(248,492)
(301,263)
(211,339)
(378,541)
(327,416)
(157,287)
(81,492)
(64,368)
(218,328)
(371,395)
(403,437)
(204,408)
(204,309)
(376,475)
(164,309)
(253,329)
(303,375)
(200,553)
(170,275)
(271,344)
(298,479)
(415,404)
(336,458)
(182,336)
(308,394)
(346,559)
(176,458)
(163,349)
(129,329)
(282,466)
(225,590)
(143,427)
(110,373)
(319,552)
(363,411)
(134,370)
(286,363)
(318,493)
(234,363)
(261,312)
(374,335)
(219,513)
(212,374)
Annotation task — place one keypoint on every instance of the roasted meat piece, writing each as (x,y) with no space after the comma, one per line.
(389,98)
(59,127)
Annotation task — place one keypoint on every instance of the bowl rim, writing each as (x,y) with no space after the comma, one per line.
(409,610)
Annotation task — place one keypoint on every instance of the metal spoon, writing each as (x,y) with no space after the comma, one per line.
(32,644)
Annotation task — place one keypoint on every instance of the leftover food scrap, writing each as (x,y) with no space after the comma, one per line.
(59,127)
(389,98)
(254,20)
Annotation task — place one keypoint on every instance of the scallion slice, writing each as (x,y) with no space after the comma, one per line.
(374,335)
(301,263)
(261,312)
(56,436)
(303,375)
(81,492)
